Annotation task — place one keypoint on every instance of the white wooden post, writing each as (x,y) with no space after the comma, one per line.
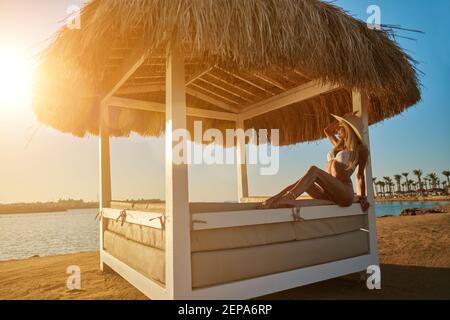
(105,168)
(241,163)
(178,223)
(361,103)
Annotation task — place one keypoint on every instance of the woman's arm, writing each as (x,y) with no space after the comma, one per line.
(361,178)
(330,132)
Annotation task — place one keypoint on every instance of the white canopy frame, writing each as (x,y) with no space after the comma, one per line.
(178,224)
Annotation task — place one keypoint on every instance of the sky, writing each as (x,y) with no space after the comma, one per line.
(40,164)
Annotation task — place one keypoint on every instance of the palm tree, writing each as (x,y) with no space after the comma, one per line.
(406,174)
(388,182)
(426,184)
(418,173)
(447,174)
(374,179)
(411,183)
(382,185)
(380,188)
(434,179)
(398,179)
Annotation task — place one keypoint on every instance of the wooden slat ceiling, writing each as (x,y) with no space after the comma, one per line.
(218,88)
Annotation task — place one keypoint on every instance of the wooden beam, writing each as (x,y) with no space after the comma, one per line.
(232,85)
(142,89)
(361,103)
(178,268)
(224,89)
(148,77)
(215,94)
(247,81)
(269,80)
(125,71)
(241,163)
(160,107)
(128,103)
(193,92)
(105,165)
(301,93)
(222,105)
(198,75)
(104,170)
(190,91)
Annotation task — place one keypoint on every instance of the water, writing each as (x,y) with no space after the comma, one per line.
(45,234)
(395,208)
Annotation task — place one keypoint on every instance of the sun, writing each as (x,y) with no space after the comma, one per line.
(15,78)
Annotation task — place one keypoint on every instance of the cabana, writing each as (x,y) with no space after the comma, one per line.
(150,67)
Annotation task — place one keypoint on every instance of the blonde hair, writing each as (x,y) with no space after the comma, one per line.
(353,144)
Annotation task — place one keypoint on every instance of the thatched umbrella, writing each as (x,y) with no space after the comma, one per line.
(238,53)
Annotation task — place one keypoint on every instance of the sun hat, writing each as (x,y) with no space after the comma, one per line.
(355,123)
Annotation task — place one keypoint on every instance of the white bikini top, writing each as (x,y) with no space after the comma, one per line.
(341,157)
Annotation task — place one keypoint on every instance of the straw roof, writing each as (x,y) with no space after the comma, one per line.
(238,53)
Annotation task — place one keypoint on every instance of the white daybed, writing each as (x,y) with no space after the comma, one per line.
(235,242)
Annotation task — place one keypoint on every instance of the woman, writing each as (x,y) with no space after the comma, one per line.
(349,152)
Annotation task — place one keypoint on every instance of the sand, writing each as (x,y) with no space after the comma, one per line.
(414,251)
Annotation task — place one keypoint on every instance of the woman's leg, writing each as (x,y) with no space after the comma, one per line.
(315,191)
(268,203)
(337,191)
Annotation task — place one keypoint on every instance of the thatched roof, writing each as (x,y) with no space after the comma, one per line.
(248,51)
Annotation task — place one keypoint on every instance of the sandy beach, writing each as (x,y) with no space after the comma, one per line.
(414,252)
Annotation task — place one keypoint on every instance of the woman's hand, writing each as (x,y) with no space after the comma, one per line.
(365,205)
(330,132)
(353,113)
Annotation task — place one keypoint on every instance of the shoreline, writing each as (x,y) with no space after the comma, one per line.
(6,210)
(414,199)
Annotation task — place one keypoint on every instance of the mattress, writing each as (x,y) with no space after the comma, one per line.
(224,266)
(232,254)
(241,237)
(146,260)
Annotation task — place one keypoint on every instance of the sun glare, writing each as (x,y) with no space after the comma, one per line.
(15,78)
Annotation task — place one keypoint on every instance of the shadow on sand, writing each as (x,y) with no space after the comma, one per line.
(397,282)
